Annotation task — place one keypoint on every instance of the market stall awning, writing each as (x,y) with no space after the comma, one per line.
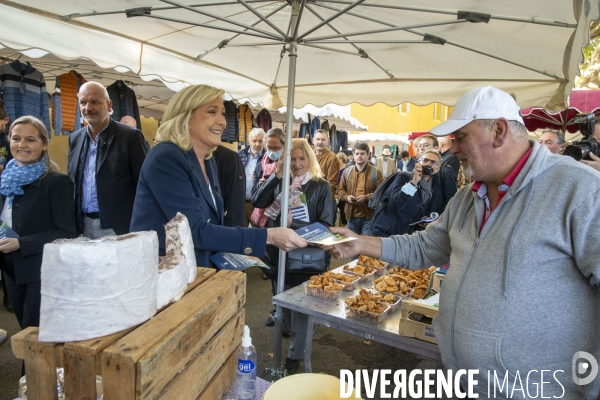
(580,101)
(364,51)
(380,138)
(333,113)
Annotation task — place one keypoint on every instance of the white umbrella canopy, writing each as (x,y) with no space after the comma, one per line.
(366,51)
(340,51)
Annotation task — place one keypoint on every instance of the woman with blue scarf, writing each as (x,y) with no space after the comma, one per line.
(37,208)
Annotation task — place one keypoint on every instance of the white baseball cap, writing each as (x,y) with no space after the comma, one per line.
(480,103)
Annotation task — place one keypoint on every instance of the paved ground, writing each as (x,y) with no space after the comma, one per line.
(332,350)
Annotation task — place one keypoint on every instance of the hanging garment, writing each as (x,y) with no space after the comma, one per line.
(325,125)
(23,90)
(230,134)
(332,132)
(304,129)
(333,143)
(245,122)
(264,120)
(124,102)
(67,115)
(316,124)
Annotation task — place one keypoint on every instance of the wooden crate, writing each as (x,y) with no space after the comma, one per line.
(417,329)
(173,355)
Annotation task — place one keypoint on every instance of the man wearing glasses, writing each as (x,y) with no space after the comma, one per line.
(552,140)
(445,183)
(409,198)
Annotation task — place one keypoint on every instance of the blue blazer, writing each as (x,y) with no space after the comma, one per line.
(410,166)
(172,181)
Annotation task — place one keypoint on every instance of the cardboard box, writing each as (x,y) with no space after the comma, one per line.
(417,316)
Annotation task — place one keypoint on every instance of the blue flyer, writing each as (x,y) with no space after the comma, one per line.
(236,262)
(318,233)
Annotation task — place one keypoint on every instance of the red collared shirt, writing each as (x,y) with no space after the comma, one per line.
(481,188)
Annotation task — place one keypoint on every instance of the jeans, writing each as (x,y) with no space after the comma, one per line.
(362,226)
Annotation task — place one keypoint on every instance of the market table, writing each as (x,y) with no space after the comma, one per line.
(331,313)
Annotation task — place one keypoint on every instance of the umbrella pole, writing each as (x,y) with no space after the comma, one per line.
(293,54)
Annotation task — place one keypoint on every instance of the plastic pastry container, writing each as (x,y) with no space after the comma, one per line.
(366,315)
(321,293)
(364,278)
(349,286)
(395,305)
(380,270)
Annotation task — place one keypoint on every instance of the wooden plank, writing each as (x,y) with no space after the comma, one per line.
(19,341)
(202,275)
(80,375)
(220,299)
(40,366)
(222,381)
(119,360)
(118,378)
(194,378)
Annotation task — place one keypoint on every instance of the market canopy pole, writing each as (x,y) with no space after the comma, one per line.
(293,55)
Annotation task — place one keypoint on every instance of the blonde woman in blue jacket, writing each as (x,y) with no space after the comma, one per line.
(180,175)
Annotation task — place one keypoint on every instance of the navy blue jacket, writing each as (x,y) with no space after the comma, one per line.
(410,166)
(172,181)
(397,209)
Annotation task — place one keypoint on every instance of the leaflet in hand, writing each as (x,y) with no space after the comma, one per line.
(318,233)
(6,232)
(236,262)
(426,220)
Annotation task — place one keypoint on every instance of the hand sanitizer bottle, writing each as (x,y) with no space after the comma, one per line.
(246,373)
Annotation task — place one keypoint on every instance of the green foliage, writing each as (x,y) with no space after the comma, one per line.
(588,52)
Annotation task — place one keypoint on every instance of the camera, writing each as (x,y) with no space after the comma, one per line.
(427,170)
(581,150)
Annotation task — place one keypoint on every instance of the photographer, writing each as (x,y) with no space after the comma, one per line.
(586,150)
(595,160)
(408,199)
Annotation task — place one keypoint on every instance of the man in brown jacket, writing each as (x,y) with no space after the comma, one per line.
(330,166)
(357,185)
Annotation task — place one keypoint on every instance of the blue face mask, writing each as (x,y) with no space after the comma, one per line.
(274,155)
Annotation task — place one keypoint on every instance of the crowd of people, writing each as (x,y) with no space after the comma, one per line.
(509,257)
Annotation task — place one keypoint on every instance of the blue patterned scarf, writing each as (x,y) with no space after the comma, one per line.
(15,177)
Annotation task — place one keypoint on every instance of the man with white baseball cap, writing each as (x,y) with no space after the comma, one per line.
(518,269)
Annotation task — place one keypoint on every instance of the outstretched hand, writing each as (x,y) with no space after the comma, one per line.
(346,249)
(285,239)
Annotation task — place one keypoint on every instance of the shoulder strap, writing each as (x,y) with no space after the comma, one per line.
(374,176)
(347,173)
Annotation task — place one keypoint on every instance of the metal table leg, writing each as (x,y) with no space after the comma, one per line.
(309,339)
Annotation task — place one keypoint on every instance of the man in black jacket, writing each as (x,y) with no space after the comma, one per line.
(232,180)
(104,162)
(444,183)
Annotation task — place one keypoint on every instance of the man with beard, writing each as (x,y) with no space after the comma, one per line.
(517,271)
(104,162)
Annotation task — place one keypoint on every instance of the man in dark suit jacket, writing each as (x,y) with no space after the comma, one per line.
(232,180)
(105,159)
(406,163)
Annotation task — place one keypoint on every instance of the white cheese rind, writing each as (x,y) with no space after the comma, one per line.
(93,288)
(180,225)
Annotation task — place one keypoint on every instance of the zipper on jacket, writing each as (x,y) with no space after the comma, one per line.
(458,290)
